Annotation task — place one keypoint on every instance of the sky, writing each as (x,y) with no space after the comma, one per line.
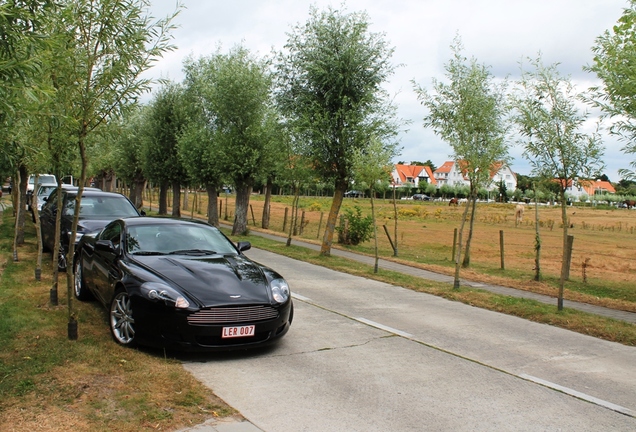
(500,34)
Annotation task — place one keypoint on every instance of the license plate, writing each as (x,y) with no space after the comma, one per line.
(241,331)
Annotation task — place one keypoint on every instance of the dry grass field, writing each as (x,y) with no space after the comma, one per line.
(603,267)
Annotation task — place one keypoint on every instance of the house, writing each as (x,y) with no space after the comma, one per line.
(451,174)
(414,175)
(577,188)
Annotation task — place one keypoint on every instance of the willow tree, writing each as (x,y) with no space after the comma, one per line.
(469,113)
(165,119)
(330,76)
(372,166)
(615,64)
(109,45)
(234,89)
(552,134)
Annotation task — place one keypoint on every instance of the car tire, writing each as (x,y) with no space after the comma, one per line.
(81,292)
(61,259)
(122,323)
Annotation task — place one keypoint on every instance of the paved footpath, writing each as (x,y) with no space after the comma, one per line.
(429,275)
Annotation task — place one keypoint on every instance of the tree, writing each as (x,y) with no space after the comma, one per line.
(237,100)
(550,126)
(128,154)
(110,43)
(372,165)
(468,112)
(615,64)
(165,122)
(330,94)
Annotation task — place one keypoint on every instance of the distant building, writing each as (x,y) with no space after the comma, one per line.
(577,188)
(451,174)
(414,175)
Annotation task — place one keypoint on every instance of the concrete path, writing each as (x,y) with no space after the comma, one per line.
(429,275)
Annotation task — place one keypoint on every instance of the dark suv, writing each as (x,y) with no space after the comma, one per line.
(97,209)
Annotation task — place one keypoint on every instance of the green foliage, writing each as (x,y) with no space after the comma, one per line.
(332,98)
(551,125)
(615,64)
(355,228)
(468,112)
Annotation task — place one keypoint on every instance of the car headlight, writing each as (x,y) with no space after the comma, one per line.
(156,291)
(280,290)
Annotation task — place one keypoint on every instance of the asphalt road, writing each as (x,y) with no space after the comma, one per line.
(363,355)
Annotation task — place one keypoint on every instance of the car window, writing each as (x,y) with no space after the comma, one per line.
(45,191)
(102,206)
(112,232)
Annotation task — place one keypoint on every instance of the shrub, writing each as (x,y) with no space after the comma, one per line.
(315,206)
(354,229)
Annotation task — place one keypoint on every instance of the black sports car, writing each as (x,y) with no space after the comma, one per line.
(180,284)
(96,210)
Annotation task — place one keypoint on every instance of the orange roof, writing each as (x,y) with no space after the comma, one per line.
(414,171)
(446,167)
(591,186)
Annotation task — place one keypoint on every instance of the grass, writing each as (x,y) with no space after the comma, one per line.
(48,382)
(581,322)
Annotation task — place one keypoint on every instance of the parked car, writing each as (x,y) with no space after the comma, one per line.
(354,194)
(421,197)
(31,186)
(97,209)
(180,284)
(43,191)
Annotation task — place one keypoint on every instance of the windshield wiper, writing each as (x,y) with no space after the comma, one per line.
(142,252)
(193,252)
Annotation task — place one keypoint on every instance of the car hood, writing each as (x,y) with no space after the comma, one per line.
(213,281)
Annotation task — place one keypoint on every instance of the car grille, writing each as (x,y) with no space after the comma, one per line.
(229,315)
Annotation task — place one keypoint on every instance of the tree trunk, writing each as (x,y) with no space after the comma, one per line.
(21,213)
(243,192)
(266,204)
(56,246)
(537,240)
(395,225)
(176,199)
(186,200)
(294,216)
(459,249)
(72,319)
(330,227)
(375,234)
(137,192)
(163,198)
(213,206)
(473,204)
(564,259)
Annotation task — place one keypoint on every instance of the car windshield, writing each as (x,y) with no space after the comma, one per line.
(96,207)
(186,239)
(43,178)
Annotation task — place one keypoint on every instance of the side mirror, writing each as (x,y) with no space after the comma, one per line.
(143,212)
(244,245)
(105,245)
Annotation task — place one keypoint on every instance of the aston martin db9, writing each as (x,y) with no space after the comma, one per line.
(180,284)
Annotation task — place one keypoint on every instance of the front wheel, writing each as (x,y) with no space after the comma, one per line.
(122,323)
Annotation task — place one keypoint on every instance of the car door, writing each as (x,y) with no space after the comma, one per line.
(47,221)
(105,269)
